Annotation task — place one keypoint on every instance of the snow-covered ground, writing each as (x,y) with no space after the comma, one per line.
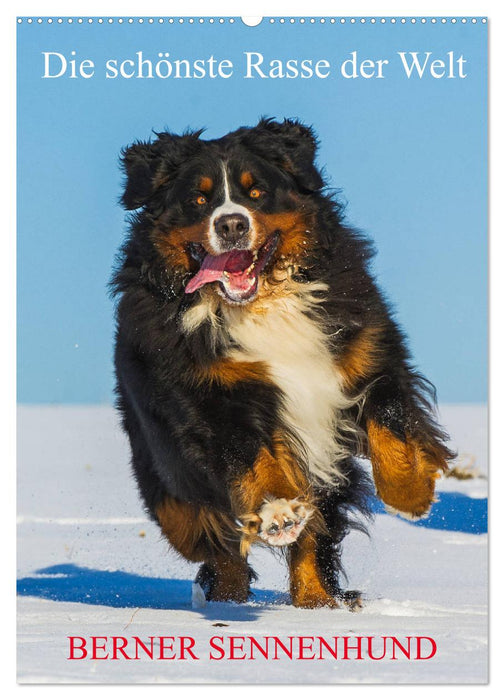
(90,563)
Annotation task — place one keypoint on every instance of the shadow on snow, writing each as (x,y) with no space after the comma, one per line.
(452,511)
(120,589)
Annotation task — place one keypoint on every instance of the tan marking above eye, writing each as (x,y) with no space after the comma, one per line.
(206,184)
(246,180)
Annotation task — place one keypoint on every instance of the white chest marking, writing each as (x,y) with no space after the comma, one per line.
(295,349)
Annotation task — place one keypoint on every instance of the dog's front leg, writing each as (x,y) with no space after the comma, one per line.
(406,446)
(272,500)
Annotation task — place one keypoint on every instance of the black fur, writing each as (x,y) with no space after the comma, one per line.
(190,441)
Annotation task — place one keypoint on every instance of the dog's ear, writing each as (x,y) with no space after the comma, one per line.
(294,146)
(140,163)
(149,165)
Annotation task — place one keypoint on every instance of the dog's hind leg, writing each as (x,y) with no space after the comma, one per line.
(344,508)
(315,560)
(225,578)
(308,586)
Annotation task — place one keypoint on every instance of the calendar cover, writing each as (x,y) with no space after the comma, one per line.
(252,342)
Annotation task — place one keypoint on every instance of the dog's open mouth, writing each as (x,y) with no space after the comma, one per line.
(237,271)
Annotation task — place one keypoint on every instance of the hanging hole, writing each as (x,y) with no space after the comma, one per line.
(251,21)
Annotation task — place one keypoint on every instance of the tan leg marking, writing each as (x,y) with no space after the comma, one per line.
(196,531)
(362,358)
(306,586)
(274,491)
(404,473)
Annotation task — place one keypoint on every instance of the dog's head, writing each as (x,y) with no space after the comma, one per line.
(224,211)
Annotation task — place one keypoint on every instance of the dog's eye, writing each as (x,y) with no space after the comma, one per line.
(255,193)
(201,199)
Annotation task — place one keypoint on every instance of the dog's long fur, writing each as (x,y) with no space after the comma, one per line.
(239,401)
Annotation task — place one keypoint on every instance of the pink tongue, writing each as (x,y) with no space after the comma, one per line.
(213,267)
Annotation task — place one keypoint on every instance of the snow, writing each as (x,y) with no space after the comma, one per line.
(90,563)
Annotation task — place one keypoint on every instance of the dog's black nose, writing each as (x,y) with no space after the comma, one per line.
(231,227)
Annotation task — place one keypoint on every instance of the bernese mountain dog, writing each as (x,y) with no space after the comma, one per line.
(257,361)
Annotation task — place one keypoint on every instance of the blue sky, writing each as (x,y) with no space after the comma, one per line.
(409,156)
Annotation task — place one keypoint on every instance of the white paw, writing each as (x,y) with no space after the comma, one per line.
(282,521)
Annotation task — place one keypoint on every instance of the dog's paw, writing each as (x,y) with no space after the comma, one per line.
(351,599)
(282,521)
(278,523)
(405,472)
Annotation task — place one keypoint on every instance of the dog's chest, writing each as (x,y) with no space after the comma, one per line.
(294,348)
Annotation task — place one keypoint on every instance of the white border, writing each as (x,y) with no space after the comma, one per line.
(220,8)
